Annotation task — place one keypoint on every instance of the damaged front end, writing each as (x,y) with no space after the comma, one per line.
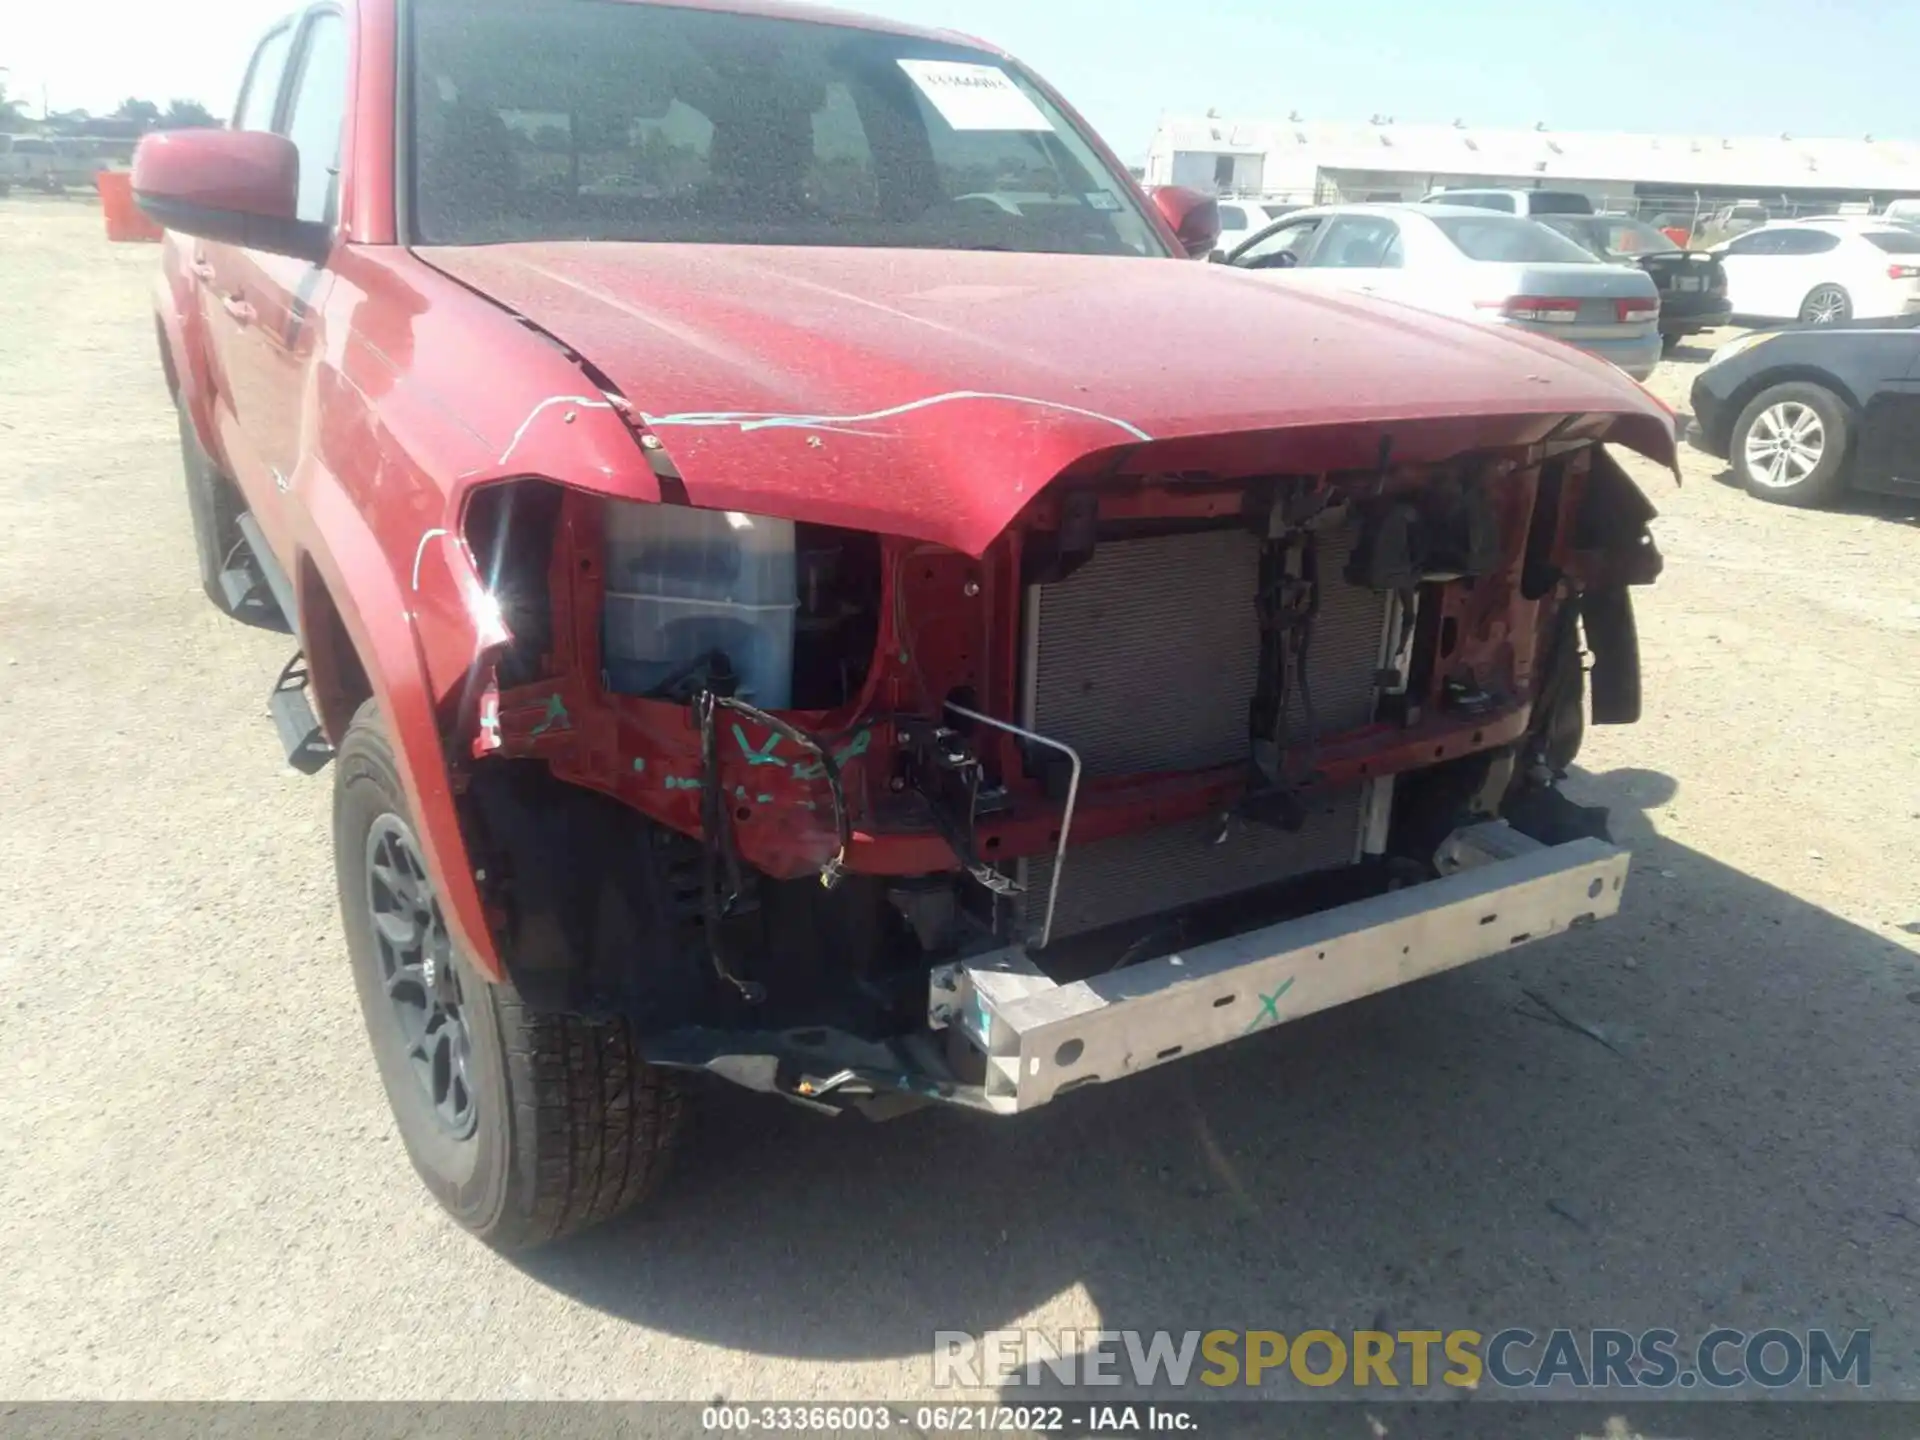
(1179,756)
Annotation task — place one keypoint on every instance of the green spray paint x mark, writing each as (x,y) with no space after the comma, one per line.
(1269,1009)
(852,750)
(764,755)
(556,715)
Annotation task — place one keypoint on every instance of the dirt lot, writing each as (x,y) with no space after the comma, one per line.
(201,1193)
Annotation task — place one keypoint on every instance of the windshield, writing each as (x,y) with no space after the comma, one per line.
(1896,242)
(1510,240)
(593,120)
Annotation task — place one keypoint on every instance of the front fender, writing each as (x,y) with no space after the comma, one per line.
(342,554)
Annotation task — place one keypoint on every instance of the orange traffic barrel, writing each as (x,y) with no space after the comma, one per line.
(125,220)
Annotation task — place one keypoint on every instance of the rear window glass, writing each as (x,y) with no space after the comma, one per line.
(580,120)
(1613,238)
(1477,201)
(1896,242)
(1550,202)
(1510,241)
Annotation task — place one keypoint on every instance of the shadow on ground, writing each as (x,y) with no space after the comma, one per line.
(1899,509)
(1699,1114)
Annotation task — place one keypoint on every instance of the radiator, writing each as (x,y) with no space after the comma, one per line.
(1145,660)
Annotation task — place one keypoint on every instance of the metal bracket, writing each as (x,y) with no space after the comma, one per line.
(1066,815)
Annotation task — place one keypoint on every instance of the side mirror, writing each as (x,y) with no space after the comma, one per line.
(1195,218)
(239,187)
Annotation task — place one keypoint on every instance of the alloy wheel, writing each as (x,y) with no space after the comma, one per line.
(1785,445)
(1825,305)
(418,973)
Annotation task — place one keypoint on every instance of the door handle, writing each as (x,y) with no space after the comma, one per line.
(237,307)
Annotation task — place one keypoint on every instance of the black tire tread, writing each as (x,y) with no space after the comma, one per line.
(593,1123)
(590,1125)
(215,508)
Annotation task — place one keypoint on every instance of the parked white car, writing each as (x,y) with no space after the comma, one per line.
(1473,263)
(1821,271)
(1240,219)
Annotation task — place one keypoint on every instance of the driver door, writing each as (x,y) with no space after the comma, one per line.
(1281,248)
(1364,253)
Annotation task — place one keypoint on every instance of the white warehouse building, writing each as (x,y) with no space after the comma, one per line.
(1317,162)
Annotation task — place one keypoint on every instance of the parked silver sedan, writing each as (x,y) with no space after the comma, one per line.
(1500,269)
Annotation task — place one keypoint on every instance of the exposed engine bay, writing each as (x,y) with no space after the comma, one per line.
(1158,712)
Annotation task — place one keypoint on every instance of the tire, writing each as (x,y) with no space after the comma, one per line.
(563,1125)
(1826,304)
(213,505)
(1809,472)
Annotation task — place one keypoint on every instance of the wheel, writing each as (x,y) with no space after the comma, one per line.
(1790,444)
(213,503)
(1825,304)
(525,1126)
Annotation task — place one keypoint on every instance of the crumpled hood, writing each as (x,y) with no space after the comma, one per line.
(932,394)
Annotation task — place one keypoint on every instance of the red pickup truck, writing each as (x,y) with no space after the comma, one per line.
(799,575)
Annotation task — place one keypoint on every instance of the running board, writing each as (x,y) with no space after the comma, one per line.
(269,572)
(305,743)
(242,587)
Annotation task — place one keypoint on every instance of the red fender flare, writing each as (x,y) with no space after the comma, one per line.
(345,558)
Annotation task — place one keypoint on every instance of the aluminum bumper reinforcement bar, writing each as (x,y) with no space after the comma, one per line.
(1501,890)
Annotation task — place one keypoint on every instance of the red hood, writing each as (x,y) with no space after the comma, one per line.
(932,394)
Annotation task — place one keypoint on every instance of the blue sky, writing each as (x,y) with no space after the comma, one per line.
(1758,67)
(1841,68)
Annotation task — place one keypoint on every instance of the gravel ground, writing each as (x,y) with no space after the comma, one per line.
(201,1194)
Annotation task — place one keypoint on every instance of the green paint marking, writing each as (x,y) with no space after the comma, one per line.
(556,715)
(1269,1009)
(679,782)
(739,792)
(764,799)
(764,755)
(852,750)
(639,765)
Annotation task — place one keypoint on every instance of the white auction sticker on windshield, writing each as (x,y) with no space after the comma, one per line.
(975,97)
